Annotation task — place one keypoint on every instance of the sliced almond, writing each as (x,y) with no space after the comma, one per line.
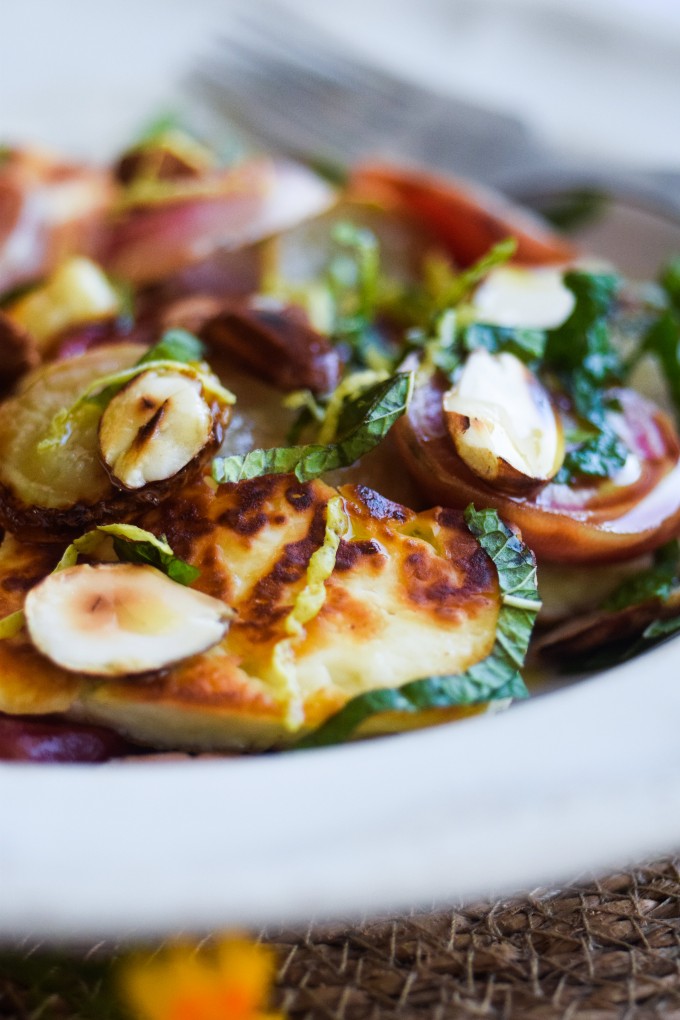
(503,423)
(114,619)
(154,427)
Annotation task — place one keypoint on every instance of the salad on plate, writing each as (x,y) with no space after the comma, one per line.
(284,462)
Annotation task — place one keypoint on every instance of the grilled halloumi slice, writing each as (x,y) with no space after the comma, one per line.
(406,595)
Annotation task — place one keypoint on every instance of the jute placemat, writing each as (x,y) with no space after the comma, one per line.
(594,951)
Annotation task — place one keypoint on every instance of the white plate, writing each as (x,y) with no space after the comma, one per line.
(585,778)
(588,777)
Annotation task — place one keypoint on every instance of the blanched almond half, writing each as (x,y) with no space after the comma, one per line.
(113,619)
(533,298)
(154,427)
(503,424)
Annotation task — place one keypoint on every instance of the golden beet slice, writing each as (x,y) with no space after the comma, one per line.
(47,491)
(51,490)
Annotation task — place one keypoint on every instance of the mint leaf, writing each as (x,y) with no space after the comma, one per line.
(168,120)
(526,344)
(658,583)
(669,278)
(580,351)
(353,277)
(583,336)
(147,553)
(582,354)
(495,678)
(574,208)
(662,339)
(660,629)
(133,545)
(654,634)
(452,288)
(416,696)
(655,583)
(365,420)
(175,345)
(600,456)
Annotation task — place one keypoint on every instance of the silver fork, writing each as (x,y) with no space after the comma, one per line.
(290,86)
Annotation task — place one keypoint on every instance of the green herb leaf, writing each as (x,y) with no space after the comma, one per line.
(175,345)
(364,421)
(310,412)
(669,278)
(660,629)
(574,208)
(353,277)
(131,545)
(580,351)
(600,456)
(582,354)
(155,130)
(134,545)
(449,288)
(655,633)
(655,583)
(662,339)
(495,678)
(526,344)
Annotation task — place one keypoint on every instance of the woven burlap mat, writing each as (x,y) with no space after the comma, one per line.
(593,951)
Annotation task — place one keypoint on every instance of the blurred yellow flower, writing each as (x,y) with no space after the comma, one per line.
(227,980)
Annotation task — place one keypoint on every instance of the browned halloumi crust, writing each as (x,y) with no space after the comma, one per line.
(410,595)
(29,683)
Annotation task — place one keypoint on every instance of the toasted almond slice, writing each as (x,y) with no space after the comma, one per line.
(503,423)
(114,619)
(154,427)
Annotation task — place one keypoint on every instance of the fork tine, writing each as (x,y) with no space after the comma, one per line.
(281,66)
(292,38)
(282,105)
(293,87)
(281,123)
